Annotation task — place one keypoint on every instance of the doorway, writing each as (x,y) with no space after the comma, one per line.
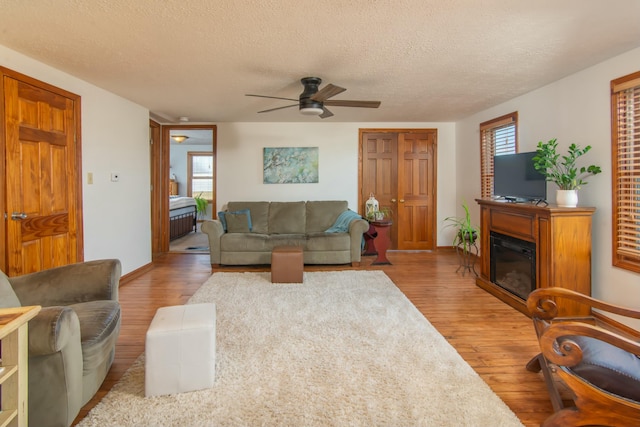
(398,166)
(186,161)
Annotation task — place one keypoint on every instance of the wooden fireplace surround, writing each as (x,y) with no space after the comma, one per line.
(563,247)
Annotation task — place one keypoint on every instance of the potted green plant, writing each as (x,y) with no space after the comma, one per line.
(384,213)
(466,232)
(201,205)
(563,171)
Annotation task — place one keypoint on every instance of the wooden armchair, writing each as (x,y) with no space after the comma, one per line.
(600,367)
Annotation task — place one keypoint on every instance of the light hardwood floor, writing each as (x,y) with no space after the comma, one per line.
(495,339)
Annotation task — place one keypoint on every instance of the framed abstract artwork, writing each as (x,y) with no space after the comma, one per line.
(290,165)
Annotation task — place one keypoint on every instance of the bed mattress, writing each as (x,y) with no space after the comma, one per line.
(177,202)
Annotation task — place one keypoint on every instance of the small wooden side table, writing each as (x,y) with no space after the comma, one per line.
(13,368)
(382,242)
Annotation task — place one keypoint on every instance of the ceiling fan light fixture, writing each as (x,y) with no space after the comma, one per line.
(179,138)
(313,100)
(311,111)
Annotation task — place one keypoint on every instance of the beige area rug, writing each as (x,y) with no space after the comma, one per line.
(343,349)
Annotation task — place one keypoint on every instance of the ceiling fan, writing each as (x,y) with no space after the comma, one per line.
(314,101)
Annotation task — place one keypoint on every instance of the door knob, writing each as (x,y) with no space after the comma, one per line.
(18,215)
(393,200)
(401,200)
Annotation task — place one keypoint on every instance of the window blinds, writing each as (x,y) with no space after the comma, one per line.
(626,170)
(497,137)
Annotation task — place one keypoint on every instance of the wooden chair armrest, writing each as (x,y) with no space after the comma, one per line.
(567,352)
(542,306)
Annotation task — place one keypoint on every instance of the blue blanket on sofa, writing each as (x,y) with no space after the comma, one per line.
(342,222)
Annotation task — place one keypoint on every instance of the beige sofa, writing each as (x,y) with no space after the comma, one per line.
(245,234)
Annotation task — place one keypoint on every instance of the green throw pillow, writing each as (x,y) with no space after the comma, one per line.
(222,216)
(237,222)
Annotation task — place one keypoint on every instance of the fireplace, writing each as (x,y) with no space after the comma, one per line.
(513,264)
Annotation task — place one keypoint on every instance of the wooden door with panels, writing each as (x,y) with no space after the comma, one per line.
(398,166)
(416,190)
(42,180)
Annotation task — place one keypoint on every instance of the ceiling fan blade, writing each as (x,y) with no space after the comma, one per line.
(271,97)
(278,108)
(325,113)
(346,103)
(327,92)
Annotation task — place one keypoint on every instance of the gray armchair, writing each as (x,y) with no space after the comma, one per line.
(72,340)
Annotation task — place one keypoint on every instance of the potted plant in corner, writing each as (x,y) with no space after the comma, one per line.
(467,233)
(562,170)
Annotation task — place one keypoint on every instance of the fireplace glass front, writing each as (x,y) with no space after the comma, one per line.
(513,264)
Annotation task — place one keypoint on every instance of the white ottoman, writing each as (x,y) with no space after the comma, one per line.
(181,349)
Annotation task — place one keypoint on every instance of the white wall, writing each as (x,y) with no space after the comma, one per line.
(239,162)
(574,109)
(115,138)
(178,164)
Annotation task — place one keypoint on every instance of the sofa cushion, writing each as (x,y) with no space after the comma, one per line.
(222,216)
(287,218)
(323,214)
(259,214)
(608,367)
(328,241)
(8,297)
(253,242)
(238,222)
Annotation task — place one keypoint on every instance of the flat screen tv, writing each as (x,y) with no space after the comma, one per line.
(515,179)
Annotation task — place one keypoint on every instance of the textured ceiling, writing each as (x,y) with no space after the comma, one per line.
(426,60)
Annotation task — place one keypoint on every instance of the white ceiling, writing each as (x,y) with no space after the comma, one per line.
(426,60)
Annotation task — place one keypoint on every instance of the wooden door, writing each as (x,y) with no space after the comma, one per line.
(43,228)
(416,190)
(398,167)
(380,173)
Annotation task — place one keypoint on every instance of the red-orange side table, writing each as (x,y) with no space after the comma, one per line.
(382,242)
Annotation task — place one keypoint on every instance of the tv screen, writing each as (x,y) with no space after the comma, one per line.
(515,178)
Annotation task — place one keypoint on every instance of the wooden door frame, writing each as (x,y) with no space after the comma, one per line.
(155,130)
(362,131)
(77,117)
(160,166)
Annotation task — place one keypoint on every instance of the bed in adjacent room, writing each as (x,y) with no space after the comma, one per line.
(182,216)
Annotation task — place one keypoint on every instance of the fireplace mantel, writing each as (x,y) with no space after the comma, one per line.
(563,247)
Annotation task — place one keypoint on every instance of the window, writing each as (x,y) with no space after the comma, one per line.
(497,137)
(625,158)
(200,175)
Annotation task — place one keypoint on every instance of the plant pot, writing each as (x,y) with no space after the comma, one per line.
(567,198)
(465,236)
